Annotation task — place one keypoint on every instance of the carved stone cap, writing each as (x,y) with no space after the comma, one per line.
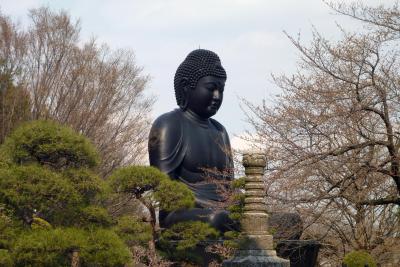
(254,159)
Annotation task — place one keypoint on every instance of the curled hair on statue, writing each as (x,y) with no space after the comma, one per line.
(197,64)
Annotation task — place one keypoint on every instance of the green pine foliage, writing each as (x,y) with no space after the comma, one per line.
(88,184)
(40,224)
(237,208)
(97,247)
(173,195)
(5,258)
(359,258)
(43,247)
(155,190)
(33,189)
(9,230)
(152,187)
(104,248)
(133,231)
(136,179)
(48,143)
(51,201)
(182,241)
(94,215)
(188,234)
(239,183)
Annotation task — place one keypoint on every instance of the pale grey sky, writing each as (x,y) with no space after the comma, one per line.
(246,34)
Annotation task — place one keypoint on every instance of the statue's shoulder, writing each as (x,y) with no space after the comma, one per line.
(218,125)
(166,130)
(166,150)
(168,120)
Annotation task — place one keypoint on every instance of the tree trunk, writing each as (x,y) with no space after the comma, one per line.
(75,258)
(153,223)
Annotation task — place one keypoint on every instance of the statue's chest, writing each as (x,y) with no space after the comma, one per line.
(205,149)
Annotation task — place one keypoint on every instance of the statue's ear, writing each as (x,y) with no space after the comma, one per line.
(184,84)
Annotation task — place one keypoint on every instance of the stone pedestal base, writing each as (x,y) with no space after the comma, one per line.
(256,258)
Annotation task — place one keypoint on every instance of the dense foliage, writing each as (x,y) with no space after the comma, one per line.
(188,234)
(52,201)
(154,190)
(183,240)
(359,259)
(45,143)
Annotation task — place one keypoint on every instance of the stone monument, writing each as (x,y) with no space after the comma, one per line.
(257,250)
(187,143)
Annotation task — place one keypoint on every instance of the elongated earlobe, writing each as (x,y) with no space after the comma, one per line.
(184,85)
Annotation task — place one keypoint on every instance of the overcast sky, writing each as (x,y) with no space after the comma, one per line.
(246,34)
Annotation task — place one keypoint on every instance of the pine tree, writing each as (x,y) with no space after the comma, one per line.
(53,201)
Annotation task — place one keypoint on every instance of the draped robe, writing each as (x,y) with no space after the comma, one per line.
(192,149)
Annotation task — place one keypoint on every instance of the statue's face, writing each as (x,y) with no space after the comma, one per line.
(206,98)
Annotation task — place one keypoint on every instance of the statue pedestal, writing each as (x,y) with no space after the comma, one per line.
(257,249)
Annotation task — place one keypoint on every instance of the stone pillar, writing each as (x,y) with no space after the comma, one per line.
(257,250)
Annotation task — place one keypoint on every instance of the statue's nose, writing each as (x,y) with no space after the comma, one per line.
(217,95)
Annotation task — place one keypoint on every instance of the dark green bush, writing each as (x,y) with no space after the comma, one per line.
(86,182)
(180,242)
(47,247)
(189,234)
(94,215)
(48,143)
(5,258)
(155,190)
(236,210)
(173,195)
(359,258)
(136,179)
(8,228)
(51,201)
(35,189)
(97,247)
(133,231)
(104,248)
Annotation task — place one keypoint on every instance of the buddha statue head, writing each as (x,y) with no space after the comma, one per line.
(199,83)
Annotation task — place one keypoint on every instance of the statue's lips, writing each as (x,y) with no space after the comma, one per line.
(214,106)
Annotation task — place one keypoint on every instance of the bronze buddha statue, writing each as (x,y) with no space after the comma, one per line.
(186,142)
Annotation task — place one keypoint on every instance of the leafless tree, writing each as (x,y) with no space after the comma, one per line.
(97,91)
(332,136)
(14,99)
